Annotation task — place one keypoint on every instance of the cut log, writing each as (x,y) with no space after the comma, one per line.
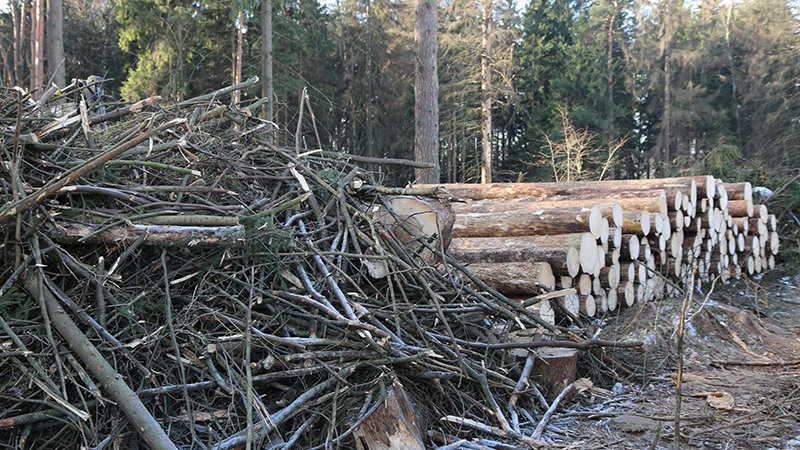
(157,235)
(544,310)
(609,277)
(615,237)
(512,278)
(584,284)
(588,305)
(525,223)
(629,250)
(510,190)
(761,212)
(563,260)
(741,208)
(609,209)
(627,272)
(627,292)
(393,425)
(636,222)
(426,218)
(721,195)
(739,191)
(611,295)
(571,303)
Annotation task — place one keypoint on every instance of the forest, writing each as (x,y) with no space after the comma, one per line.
(571,89)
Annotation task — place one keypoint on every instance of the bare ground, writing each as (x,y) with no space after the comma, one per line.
(725,404)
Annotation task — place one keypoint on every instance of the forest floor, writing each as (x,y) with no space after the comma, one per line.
(724,404)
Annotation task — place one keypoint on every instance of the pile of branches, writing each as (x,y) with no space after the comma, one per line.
(172,279)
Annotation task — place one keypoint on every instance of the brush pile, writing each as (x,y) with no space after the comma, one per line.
(171,279)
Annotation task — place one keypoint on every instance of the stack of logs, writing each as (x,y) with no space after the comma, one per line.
(603,245)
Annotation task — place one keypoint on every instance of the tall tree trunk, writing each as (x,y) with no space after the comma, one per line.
(426,90)
(237,71)
(370,140)
(266,68)
(55,42)
(733,76)
(667,119)
(37,48)
(7,66)
(486,94)
(610,68)
(17,44)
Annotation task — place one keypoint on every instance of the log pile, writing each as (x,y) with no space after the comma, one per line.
(172,279)
(610,244)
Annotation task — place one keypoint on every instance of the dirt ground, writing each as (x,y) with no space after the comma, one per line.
(725,404)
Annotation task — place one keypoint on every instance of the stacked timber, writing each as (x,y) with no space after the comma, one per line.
(606,245)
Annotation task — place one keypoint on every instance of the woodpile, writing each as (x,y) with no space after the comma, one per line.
(612,243)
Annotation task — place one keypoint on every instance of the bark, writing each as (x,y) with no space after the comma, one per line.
(486,92)
(157,235)
(523,223)
(516,278)
(55,42)
(426,90)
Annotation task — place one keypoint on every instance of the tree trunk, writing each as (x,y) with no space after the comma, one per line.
(667,119)
(369,112)
(486,94)
(37,48)
(610,69)
(7,66)
(237,70)
(266,69)
(19,41)
(426,90)
(55,42)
